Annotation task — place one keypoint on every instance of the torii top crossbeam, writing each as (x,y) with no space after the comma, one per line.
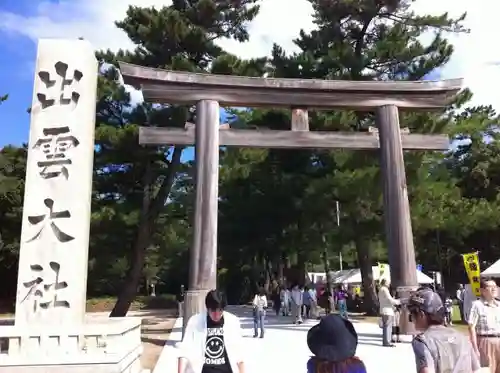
(164,86)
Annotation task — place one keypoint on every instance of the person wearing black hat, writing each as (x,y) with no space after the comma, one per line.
(438,349)
(333,343)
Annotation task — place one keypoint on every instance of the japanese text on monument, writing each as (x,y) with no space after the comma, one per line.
(45,294)
(58,92)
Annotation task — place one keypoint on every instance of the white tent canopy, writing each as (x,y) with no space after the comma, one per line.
(353,276)
(493,270)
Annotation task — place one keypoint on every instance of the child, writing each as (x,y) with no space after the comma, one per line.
(395,326)
(448,305)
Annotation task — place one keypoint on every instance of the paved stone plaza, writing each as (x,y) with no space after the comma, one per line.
(284,348)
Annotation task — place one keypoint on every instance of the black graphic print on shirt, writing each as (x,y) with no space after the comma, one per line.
(216,360)
(214,347)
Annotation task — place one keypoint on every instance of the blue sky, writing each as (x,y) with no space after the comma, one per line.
(16,79)
(22,22)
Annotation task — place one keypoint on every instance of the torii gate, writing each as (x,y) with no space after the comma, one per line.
(208,91)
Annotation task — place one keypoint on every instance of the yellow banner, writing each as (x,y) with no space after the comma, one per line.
(471,263)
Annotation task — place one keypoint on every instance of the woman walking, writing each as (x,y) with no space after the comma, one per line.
(259,312)
(341,296)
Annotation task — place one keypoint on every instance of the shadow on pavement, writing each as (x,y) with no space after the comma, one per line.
(156,331)
(273,322)
(159,341)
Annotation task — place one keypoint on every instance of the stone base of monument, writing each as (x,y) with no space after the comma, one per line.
(107,345)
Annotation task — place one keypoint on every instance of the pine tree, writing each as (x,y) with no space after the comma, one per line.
(182,36)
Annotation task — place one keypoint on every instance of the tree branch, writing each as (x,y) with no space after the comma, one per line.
(159,200)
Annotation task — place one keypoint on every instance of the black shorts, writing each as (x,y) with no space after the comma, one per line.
(395,330)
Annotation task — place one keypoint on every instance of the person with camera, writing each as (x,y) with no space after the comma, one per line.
(438,349)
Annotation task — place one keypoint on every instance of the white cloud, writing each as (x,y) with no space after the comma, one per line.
(475,53)
(94,20)
(91,19)
(279,21)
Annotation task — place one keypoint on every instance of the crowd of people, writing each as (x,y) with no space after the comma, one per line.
(213,341)
(299,302)
(438,348)
(303,302)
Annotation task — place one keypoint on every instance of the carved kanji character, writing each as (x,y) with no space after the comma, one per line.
(37,288)
(54,145)
(60,89)
(48,219)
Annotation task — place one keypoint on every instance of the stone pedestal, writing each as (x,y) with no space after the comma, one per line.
(97,346)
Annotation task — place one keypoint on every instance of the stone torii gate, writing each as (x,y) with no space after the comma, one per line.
(208,91)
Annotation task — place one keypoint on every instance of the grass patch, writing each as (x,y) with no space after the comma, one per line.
(106,304)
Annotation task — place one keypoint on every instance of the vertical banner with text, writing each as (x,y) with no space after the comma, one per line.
(471,263)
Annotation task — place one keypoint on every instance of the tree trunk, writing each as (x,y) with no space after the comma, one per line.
(281,271)
(133,278)
(149,212)
(370,301)
(302,267)
(287,272)
(270,276)
(328,273)
(267,277)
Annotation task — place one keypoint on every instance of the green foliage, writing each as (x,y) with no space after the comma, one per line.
(277,207)
(12,171)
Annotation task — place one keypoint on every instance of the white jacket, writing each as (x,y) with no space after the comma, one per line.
(192,346)
(260,302)
(297,297)
(386,301)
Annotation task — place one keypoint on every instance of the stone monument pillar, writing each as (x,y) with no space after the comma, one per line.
(52,280)
(51,331)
